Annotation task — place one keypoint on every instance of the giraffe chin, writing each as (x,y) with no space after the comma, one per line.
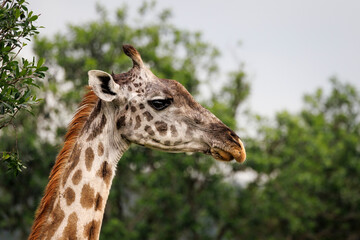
(225,156)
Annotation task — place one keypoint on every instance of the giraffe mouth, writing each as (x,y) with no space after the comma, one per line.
(236,152)
(221,155)
(225,156)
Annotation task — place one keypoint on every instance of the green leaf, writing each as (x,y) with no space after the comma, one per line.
(27,94)
(33,18)
(9,107)
(40,62)
(6,49)
(42,69)
(17,13)
(5,156)
(17,95)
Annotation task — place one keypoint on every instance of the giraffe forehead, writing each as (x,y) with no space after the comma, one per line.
(140,91)
(140,84)
(154,89)
(181,95)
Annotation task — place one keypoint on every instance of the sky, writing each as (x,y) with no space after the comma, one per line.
(288,48)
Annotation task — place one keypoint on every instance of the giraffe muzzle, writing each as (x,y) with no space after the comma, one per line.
(234,152)
(227,145)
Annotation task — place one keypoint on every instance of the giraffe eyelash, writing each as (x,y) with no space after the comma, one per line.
(160,104)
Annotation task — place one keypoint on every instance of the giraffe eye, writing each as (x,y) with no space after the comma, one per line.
(160,104)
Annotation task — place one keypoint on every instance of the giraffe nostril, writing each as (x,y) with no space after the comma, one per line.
(235,139)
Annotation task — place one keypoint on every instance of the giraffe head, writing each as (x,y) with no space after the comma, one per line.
(161,113)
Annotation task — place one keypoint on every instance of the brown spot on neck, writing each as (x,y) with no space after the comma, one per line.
(70,230)
(97,129)
(69,196)
(105,172)
(92,116)
(76,178)
(55,219)
(92,230)
(89,158)
(98,202)
(72,163)
(87,196)
(100,149)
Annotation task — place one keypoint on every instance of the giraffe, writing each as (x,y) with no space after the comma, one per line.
(118,110)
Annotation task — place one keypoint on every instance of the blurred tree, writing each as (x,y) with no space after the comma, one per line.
(308,165)
(154,195)
(16,78)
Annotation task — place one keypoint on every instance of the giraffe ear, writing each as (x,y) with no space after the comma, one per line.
(103,85)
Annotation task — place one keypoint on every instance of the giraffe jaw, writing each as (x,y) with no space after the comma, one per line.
(221,154)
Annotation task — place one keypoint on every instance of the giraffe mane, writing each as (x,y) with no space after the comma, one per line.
(76,125)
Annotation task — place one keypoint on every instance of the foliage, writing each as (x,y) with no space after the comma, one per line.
(12,161)
(17,77)
(311,165)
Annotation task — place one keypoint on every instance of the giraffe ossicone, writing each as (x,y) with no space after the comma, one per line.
(121,109)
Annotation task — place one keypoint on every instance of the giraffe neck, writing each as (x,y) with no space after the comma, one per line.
(79,205)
